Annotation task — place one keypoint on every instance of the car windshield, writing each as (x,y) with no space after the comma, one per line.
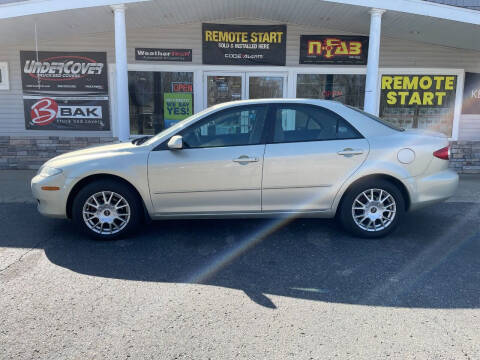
(376,118)
(173,129)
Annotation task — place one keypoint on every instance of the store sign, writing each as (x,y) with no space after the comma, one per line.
(47,71)
(57,113)
(333,49)
(152,54)
(177,106)
(471,94)
(244,44)
(65,90)
(182,87)
(418,90)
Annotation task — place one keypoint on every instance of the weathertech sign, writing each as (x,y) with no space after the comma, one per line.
(48,71)
(65,90)
(65,114)
(333,49)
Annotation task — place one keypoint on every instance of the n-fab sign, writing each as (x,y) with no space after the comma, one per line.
(418,90)
(333,49)
(47,113)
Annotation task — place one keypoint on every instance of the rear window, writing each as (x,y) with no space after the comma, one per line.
(377,119)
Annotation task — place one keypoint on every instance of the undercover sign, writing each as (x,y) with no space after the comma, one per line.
(333,49)
(418,90)
(55,113)
(151,54)
(244,44)
(49,71)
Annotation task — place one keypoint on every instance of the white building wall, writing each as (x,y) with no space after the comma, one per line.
(393,53)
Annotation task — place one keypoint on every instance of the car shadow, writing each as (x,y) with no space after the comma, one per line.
(431,261)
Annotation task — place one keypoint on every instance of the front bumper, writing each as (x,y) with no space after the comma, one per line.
(433,188)
(51,203)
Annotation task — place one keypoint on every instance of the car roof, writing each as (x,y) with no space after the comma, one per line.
(275,100)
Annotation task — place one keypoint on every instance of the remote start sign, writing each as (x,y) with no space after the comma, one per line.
(244,44)
(65,90)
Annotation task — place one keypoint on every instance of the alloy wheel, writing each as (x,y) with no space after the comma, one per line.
(106,212)
(374,210)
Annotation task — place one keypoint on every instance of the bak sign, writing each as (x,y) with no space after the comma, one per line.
(49,113)
(418,90)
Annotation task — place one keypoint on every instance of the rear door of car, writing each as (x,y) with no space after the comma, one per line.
(310,152)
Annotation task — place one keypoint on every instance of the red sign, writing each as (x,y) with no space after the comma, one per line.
(185,87)
(44,112)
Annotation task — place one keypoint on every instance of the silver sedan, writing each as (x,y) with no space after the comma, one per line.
(256,158)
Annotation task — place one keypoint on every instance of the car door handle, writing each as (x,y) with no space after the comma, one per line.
(350,152)
(245,159)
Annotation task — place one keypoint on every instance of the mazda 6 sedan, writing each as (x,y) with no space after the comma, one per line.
(255,158)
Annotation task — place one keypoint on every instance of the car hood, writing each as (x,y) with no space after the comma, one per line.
(92,152)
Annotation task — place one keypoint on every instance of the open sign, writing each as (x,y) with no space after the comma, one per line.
(185,87)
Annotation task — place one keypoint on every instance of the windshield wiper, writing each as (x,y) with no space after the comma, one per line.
(141,140)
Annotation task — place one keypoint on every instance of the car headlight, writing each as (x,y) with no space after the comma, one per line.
(47,171)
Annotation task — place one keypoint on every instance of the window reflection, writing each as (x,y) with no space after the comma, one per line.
(347,89)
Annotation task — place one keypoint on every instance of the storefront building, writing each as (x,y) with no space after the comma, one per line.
(77,75)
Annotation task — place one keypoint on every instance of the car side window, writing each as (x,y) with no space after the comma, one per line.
(232,127)
(297,123)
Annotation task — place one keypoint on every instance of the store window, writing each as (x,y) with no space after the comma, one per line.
(158,100)
(347,89)
(419,101)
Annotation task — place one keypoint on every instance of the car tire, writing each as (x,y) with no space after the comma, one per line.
(107,210)
(372,209)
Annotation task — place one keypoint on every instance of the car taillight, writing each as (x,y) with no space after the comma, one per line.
(443,153)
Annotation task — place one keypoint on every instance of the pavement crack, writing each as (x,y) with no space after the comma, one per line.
(28,251)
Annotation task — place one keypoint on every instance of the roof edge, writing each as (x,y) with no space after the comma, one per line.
(419,7)
(32,7)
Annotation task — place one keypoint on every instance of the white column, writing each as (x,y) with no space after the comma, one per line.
(121,73)
(371,84)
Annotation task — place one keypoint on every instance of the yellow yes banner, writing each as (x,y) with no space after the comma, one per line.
(418,90)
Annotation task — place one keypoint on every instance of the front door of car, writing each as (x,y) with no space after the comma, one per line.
(309,155)
(219,168)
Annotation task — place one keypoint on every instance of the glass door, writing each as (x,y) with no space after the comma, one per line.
(266,85)
(223,87)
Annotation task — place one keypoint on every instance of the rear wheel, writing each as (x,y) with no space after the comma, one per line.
(106,210)
(372,209)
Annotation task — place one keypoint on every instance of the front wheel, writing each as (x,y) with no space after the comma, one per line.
(372,209)
(106,210)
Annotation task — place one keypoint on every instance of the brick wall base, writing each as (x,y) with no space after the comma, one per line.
(465,157)
(25,152)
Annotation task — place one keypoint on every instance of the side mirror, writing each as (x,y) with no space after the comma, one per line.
(175,142)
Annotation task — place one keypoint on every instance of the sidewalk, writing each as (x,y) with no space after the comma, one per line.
(15,187)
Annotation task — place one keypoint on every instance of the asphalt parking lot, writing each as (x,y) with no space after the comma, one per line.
(247,289)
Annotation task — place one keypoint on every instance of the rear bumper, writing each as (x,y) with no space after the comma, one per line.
(433,188)
(50,203)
